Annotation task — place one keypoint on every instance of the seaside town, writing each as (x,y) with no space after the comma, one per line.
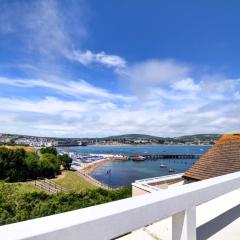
(134,139)
(87,163)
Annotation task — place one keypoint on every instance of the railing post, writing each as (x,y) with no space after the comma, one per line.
(184,225)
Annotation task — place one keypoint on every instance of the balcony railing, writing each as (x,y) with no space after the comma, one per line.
(117,218)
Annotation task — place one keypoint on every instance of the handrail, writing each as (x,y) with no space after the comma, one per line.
(47,185)
(94,180)
(113,219)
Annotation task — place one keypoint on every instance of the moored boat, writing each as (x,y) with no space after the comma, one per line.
(163,165)
(138,158)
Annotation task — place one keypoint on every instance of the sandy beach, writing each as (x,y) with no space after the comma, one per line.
(89,168)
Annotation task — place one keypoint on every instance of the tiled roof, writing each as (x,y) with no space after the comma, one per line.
(222,158)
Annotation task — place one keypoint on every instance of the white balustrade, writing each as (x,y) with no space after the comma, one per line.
(114,219)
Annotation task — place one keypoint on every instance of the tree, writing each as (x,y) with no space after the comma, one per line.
(19,165)
(32,166)
(12,164)
(49,165)
(65,160)
(51,150)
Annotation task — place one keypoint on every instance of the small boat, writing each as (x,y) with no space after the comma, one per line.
(138,158)
(172,170)
(163,165)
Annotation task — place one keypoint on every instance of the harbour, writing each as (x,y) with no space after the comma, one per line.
(117,166)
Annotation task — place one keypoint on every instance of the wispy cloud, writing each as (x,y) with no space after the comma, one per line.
(155,72)
(77,89)
(53,31)
(40,27)
(186,84)
(152,74)
(88,57)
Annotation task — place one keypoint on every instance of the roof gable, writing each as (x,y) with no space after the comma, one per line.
(221,159)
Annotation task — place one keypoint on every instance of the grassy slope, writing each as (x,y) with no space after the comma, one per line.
(74,182)
(25,188)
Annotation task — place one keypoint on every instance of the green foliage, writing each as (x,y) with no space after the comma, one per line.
(15,206)
(65,160)
(32,164)
(12,163)
(49,164)
(19,165)
(51,150)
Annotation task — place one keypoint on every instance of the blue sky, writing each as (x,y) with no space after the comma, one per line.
(99,68)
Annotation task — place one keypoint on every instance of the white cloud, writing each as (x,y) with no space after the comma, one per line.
(56,117)
(88,57)
(51,30)
(186,85)
(77,89)
(145,76)
(176,104)
(39,26)
(155,72)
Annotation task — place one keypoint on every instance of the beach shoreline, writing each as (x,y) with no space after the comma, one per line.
(89,168)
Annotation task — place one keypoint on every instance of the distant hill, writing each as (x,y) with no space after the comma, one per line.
(132,136)
(199,137)
(187,138)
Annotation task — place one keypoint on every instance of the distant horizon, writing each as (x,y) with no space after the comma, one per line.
(94,68)
(119,135)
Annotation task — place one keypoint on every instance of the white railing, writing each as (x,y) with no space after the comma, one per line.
(114,219)
(161,178)
(145,184)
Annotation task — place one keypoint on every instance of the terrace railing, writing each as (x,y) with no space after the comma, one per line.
(111,220)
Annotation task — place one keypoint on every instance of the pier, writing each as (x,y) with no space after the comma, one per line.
(169,156)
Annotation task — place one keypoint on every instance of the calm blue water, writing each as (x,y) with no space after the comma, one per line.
(123,173)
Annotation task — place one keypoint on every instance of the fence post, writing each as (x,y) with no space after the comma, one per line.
(184,225)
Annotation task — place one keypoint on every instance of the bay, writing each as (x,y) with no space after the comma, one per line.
(123,173)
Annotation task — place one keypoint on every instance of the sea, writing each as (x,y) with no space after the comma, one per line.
(124,172)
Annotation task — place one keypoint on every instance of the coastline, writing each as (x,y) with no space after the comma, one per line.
(89,168)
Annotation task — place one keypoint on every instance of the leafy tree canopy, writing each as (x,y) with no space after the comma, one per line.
(19,165)
(65,160)
(51,150)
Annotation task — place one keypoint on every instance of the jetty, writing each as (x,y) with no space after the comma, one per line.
(169,156)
